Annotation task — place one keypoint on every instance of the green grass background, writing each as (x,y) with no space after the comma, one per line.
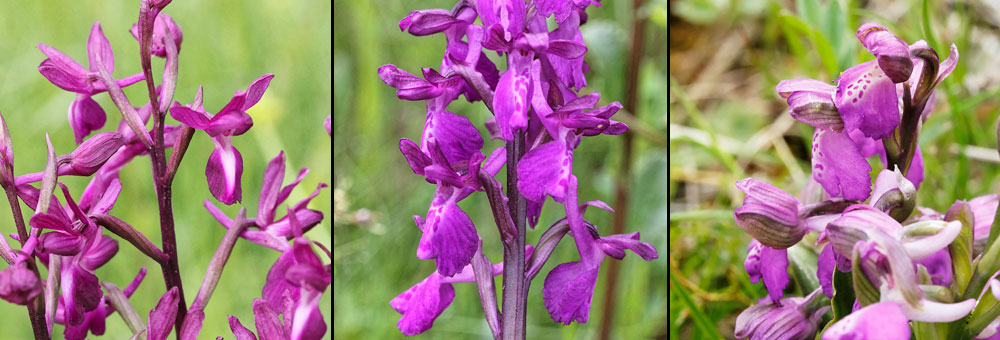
(227,44)
(786,40)
(375,260)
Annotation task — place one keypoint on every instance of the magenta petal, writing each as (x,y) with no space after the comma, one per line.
(769,264)
(984,209)
(224,170)
(426,22)
(306,319)
(947,65)
(66,80)
(256,90)
(408,86)
(52,221)
(275,284)
(883,320)
(414,157)
(457,137)
(190,117)
(544,170)
(839,167)
(455,240)
(866,99)
(567,49)
(98,48)
(916,171)
(60,243)
(568,290)
(273,174)
(64,62)
(615,245)
(939,267)
(268,324)
(824,270)
(86,290)
(239,331)
(510,103)
(421,304)
(786,87)
(892,52)
(100,253)
(866,146)
(230,122)
(85,116)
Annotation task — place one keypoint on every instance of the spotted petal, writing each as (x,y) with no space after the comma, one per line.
(866,99)
(839,166)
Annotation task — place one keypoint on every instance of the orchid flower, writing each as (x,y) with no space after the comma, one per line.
(225,165)
(85,115)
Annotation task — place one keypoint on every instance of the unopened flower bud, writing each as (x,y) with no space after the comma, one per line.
(769,214)
(18,284)
(894,194)
(92,154)
(6,155)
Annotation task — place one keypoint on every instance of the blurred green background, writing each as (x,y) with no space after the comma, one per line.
(376,194)
(728,123)
(227,44)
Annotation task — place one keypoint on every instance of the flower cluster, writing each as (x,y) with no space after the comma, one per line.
(540,116)
(899,265)
(70,237)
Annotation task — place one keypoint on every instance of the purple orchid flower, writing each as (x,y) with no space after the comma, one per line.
(424,302)
(268,230)
(854,116)
(85,115)
(294,286)
(225,165)
(569,287)
(299,275)
(94,321)
(85,248)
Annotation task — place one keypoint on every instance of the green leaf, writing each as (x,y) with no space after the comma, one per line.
(792,37)
(837,31)
(701,321)
(818,41)
(843,295)
(809,11)
(961,248)
(865,291)
(802,261)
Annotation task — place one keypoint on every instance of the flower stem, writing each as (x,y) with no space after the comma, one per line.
(36,308)
(171,271)
(513,318)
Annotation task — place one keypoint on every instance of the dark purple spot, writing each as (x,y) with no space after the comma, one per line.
(855,100)
(865,87)
(848,93)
